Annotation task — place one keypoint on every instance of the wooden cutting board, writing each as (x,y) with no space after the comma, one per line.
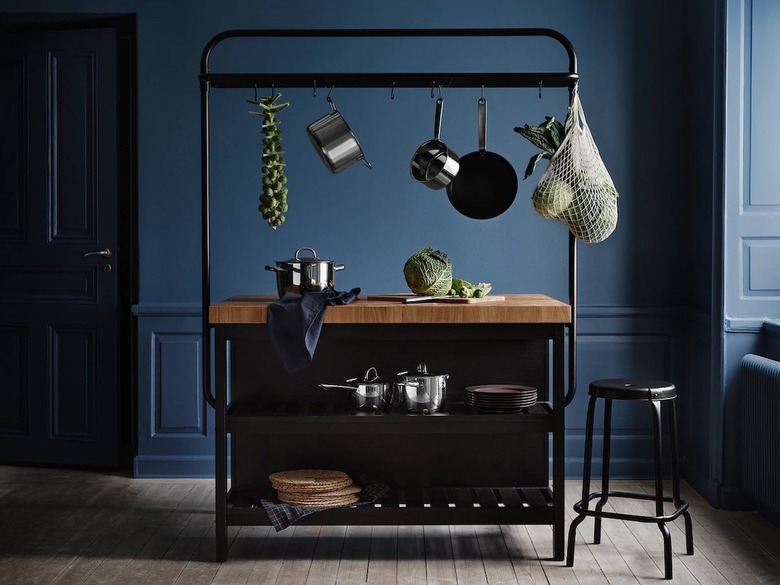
(411,298)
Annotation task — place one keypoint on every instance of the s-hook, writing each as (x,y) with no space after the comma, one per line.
(392,91)
(314,90)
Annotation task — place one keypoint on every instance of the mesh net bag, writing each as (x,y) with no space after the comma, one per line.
(576,188)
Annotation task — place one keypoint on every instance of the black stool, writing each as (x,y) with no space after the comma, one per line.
(655,392)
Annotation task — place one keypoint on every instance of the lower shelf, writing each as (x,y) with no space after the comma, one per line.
(501,505)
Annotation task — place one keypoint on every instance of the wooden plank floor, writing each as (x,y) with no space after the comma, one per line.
(79,527)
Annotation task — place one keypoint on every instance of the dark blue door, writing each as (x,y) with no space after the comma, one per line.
(58,247)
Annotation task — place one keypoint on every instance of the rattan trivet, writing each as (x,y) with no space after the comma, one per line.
(303,500)
(310,481)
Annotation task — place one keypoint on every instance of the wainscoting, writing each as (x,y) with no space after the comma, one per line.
(175,424)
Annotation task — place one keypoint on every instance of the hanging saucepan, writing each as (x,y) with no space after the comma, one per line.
(434,165)
(333,140)
(370,393)
(486,183)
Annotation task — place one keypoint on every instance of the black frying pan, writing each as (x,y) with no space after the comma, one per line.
(486,183)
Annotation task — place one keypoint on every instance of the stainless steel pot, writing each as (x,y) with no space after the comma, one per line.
(369,393)
(335,142)
(301,275)
(422,391)
(433,164)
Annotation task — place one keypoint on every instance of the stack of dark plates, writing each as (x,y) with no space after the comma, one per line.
(500,398)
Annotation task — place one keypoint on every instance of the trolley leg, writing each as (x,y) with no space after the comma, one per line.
(220,443)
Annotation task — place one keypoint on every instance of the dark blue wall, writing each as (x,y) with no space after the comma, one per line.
(636,60)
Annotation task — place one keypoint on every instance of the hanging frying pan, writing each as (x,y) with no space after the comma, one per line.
(486,183)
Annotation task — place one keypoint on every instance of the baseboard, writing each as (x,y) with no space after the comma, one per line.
(704,486)
(176,466)
(736,499)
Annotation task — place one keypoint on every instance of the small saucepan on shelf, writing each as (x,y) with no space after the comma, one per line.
(369,393)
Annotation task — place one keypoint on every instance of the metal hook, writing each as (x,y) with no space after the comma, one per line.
(273,90)
(439,91)
(255,92)
(540,89)
(330,91)
(392,91)
(433,86)
(314,91)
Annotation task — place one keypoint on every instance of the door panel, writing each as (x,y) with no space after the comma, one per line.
(58,307)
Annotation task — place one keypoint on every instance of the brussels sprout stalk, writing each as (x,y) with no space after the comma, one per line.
(273,199)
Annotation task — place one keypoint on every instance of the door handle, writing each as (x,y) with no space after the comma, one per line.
(104,252)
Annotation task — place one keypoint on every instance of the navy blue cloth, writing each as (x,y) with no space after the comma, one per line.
(295,323)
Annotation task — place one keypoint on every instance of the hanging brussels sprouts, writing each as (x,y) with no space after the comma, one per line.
(273,199)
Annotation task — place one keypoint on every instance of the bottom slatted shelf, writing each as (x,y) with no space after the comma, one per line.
(458,505)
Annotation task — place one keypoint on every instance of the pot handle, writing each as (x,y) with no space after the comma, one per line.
(405,383)
(275,268)
(437,120)
(337,267)
(482,123)
(337,387)
(313,253)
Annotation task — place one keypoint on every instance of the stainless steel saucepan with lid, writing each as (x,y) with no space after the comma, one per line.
(422,391)
(370,393)
(302,274)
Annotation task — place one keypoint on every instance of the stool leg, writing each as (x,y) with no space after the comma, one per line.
(676,477)
(659,487)
(607,439)
(585,480)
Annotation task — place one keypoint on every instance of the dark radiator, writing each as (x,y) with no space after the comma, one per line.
(760,418)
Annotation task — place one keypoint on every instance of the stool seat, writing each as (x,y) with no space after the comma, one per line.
(632,389)
(653,393)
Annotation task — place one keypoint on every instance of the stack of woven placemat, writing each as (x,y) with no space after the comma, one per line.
(317,490)
(315,487)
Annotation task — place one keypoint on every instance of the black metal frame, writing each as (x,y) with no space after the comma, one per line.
(209,80)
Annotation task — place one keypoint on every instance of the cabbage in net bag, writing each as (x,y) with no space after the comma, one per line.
(576,188)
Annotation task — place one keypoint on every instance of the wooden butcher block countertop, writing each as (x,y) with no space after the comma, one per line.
(518,308)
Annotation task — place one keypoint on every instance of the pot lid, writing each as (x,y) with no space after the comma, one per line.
(371,377)
(298,260)
(422,372)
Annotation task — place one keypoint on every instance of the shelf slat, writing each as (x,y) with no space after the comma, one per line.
(272,419)
(454,505)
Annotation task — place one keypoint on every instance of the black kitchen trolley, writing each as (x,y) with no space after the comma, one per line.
(267,431)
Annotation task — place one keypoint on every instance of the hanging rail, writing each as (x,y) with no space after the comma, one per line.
(212,80)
